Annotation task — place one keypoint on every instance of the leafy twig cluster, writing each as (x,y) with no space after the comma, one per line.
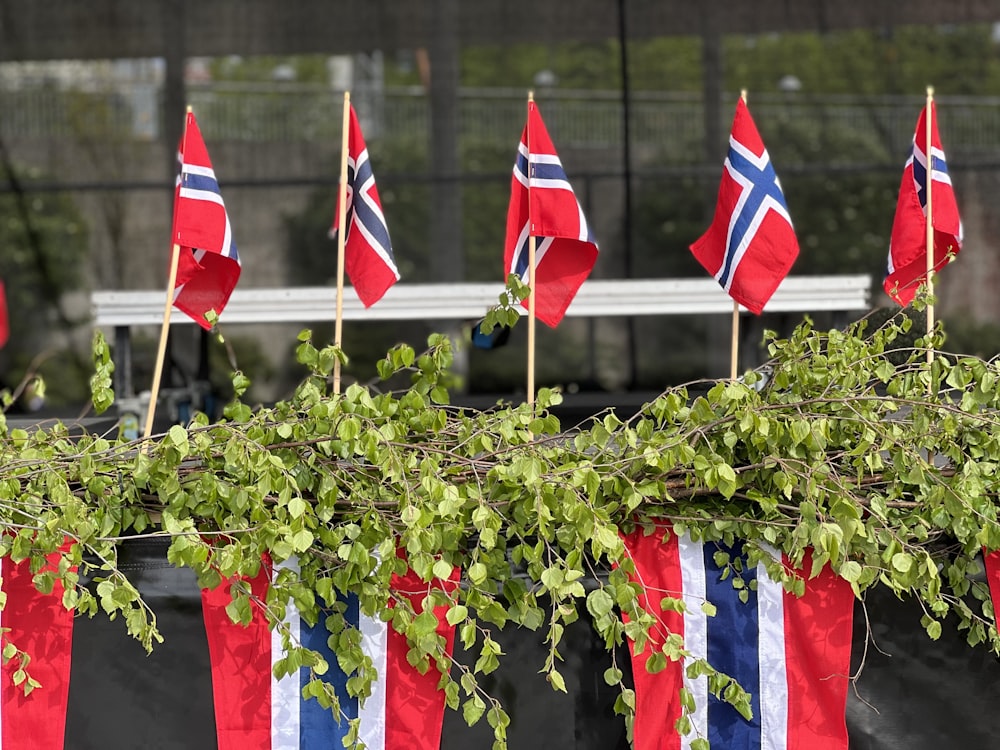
(881,465)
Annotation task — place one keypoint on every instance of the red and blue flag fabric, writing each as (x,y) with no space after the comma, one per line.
(255,711)
(209,265)
(39,625)
(790,653)
(750,246)
(906,269)
(368,258)
(543,205)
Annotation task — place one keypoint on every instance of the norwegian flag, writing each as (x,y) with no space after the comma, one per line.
(792,654)
(906,269)
(42,627)
(209,266)
(4,319)
(751,245)
(542,204)
(368,258)
(256,711)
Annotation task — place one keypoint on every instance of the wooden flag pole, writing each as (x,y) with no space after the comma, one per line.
(930,224)
(341,237)
(531,274)
(162,350)
(161,353)
(734,345)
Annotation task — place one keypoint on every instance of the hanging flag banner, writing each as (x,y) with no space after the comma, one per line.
(39,625)
(790,653)
(256,711)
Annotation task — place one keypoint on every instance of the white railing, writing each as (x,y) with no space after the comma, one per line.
(596,298)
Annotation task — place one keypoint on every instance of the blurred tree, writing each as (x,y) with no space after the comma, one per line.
(43,244)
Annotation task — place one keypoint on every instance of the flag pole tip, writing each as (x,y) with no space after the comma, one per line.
(743,95)
(930,91)
(189,109)
(347,96)
(531,95)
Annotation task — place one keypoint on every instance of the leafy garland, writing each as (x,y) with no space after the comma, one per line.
(855,448)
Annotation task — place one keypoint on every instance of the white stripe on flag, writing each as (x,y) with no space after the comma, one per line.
(374,642)
(692,559)
(5,563)
(202,195)
(773,677)
(195,169)
(584,229)
(286,692)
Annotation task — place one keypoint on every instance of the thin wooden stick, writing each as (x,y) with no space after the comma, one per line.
(930,224)
(161,353)
(531,320)
(734,345)
(531,275)
(341,238)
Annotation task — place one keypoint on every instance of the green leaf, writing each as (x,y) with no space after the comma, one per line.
(902,562)
(442,570)
(302,540)
(456,614)
(556,681)
(477,573)
(612,676)
(473,709)
(599,602)
(178,436)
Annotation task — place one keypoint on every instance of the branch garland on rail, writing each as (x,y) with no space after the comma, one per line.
(835,447)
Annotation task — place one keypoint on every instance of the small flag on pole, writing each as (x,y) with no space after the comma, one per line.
(543,205)
(906,269)
(208,266)
(751,245)
(368,258)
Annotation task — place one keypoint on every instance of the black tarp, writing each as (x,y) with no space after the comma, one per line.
(913,693)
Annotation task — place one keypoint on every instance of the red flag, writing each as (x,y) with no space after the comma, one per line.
(209,265)
(368,258)
(992,563)
(254,711)
(543,205)
(751,245)
(906,269)
(791,654)
(42,627)
(4,320)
